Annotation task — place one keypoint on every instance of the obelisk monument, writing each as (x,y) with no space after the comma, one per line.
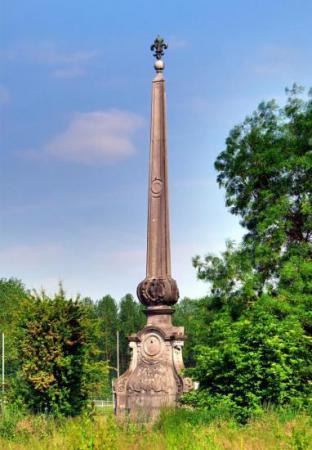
(154,379)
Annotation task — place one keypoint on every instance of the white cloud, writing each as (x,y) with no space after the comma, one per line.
(99,137)
(29,255)
(4,95)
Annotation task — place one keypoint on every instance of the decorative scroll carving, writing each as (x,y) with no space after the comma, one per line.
(120,384)
(134,355)
(149,378)
(158,291)
(177,356)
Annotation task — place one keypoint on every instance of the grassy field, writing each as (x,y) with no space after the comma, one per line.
(174,430)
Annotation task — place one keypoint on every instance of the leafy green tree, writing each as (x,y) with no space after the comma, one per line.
(12,296)
(98,381)
(266,171)
(261,357)
(54,344)
(106,311)
(131,320)
(257,316)
(187,314)
(107,314)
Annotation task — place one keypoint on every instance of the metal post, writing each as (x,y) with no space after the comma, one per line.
(3,367)
(117,354)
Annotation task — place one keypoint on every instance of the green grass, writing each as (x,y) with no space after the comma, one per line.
(174,430)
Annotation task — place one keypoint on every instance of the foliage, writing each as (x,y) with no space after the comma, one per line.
(131,319)
(266,171)
(97,381)
(262,358)
(54,344)
(12,295)
(187,314)
(179,429)
(256,348)
(106,311)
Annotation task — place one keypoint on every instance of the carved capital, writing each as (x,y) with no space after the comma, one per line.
(158,291)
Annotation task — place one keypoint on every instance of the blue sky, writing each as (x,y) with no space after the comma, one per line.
(75,85)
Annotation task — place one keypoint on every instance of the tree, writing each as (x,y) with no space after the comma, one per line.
(257,316)
(54,346)
(107,316)
(187,314)
(131,320)
(266,171)
(12,296)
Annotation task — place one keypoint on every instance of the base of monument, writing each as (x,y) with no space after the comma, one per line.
(153,380)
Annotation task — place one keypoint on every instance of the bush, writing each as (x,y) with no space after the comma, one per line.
(53,344)
(262,358)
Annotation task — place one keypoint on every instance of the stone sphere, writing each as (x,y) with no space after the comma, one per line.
(159,65)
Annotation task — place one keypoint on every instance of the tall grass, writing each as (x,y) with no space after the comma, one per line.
(180,429)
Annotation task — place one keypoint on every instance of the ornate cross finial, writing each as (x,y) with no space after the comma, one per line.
(159,46)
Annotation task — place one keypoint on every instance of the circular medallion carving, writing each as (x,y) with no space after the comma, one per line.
(157,186)
(152,345)
(152,348)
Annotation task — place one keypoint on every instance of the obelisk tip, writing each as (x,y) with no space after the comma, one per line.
(158,48)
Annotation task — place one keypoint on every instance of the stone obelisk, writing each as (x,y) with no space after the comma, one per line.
(154,379)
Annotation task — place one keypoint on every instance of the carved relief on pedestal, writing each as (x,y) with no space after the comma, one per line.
(150,378)
(177,355)
(154,376)
(152,347)
(153,373)
(120,384)
(134,355)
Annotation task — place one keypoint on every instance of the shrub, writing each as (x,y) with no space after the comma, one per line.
(264,357)
(53,344)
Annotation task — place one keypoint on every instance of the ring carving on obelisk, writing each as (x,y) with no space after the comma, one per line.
(157,187)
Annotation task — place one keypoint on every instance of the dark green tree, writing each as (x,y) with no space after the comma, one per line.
(131,320)
(107,315)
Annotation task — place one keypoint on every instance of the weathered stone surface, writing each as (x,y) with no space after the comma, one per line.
(154,379)
(158,291)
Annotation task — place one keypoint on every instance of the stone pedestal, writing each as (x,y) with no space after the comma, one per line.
(154,378)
